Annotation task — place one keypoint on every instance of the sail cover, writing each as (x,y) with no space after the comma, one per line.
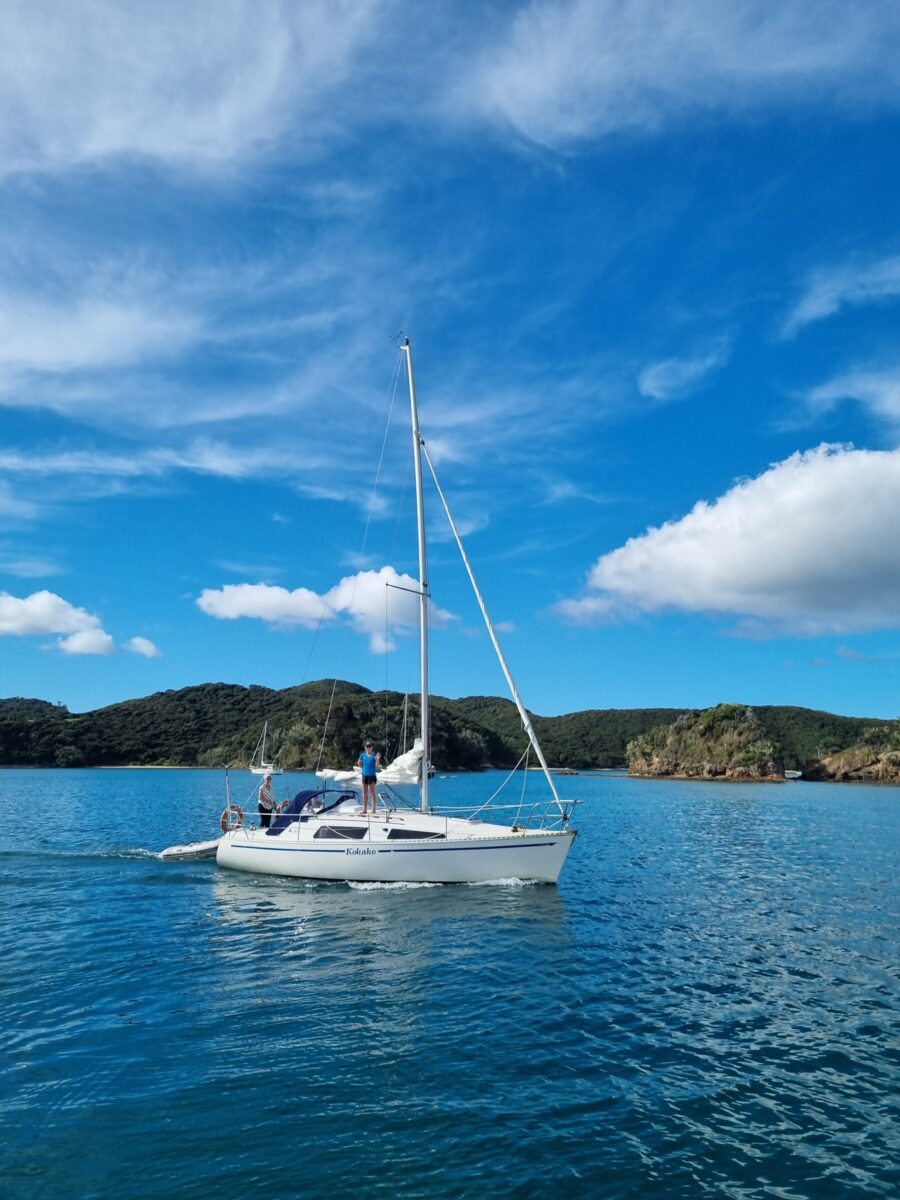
(406,768)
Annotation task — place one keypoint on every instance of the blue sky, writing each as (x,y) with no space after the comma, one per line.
(649,260)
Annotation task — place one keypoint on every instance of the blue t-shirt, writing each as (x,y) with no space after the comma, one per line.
(368,763)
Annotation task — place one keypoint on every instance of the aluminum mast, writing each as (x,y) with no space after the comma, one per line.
(423,577)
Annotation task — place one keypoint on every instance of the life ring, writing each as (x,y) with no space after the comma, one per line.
(225,820)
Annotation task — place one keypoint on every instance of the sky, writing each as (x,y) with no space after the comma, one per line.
(648,258)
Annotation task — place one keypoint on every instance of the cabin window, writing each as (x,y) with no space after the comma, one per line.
(399,835)
(351,832)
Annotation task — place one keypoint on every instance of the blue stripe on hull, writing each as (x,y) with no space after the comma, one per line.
(423,849)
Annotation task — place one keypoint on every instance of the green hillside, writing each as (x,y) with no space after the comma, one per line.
(220,723)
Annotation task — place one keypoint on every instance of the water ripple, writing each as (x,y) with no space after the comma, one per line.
(706,1006)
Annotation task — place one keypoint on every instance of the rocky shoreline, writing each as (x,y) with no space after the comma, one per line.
(722,743)
(728,744)
(859,764)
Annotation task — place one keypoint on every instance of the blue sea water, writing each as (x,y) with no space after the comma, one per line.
(706,1005)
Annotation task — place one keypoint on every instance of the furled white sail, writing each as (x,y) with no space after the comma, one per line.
(406,768)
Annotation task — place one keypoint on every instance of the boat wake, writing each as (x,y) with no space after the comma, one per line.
(390,887)
(126,852)
(402,887)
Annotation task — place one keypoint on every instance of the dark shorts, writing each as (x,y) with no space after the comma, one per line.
(370,778)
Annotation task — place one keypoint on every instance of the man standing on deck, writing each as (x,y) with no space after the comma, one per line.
(368,763)
(266,802)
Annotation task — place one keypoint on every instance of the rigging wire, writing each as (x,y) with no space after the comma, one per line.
(485,803)
(523,712)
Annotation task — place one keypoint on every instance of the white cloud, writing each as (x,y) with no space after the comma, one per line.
(204,456)
(142,645)
(803,549)
(829,290)
(372,601)
(264,602)
(13,507)
(878,390)
(27,566)
(855,656)
(198,86)
(87,641)
(674,378)
(575,69)
(204,87)
(82,332)
(116,344)
(44,612)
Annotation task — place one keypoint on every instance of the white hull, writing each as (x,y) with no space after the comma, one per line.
(535,856)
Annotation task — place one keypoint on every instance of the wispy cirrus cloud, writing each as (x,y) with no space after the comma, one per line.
(375,603)
(831,289)
(198,89)
(568,70)
(102,471)
(28,566)
(875,388)
(675,378)
(88,333)
(802,549)
(14,507)
(204,89)
(89,344)
(856,656)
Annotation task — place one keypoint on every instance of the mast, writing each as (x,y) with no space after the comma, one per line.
(423,575)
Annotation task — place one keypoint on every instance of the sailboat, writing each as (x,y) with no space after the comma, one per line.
(258,764)
(325,834)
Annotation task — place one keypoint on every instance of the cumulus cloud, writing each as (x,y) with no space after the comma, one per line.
(372,601)
(575,69)
(829,290)
(264,602)
(44,612)
(143,646)
(88,641)
(674,378)
(803,549)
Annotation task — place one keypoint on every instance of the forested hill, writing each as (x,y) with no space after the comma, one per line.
(220,723)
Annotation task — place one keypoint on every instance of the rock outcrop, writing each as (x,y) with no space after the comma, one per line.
(862,764)
(727,742)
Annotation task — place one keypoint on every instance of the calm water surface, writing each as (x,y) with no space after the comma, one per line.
(706,1005)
